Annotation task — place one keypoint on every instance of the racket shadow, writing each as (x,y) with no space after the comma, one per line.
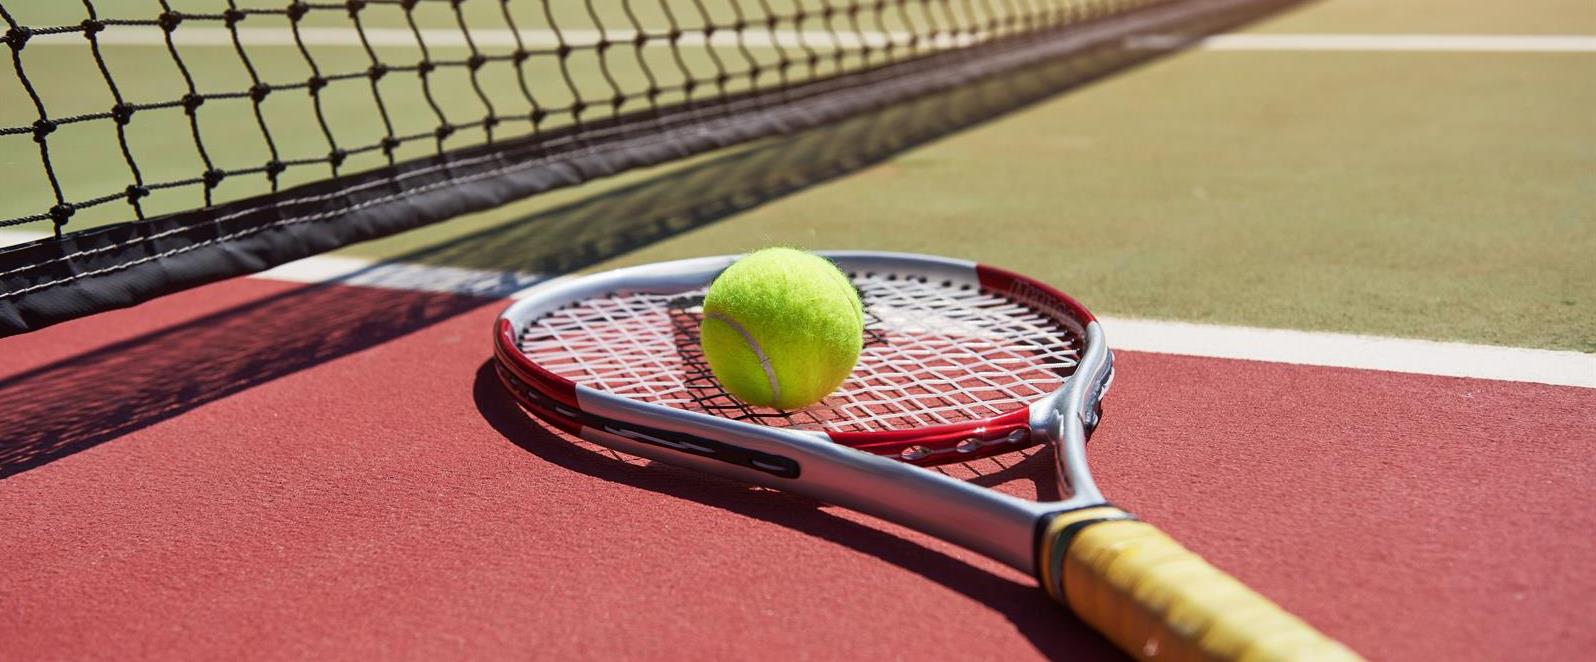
(1027,608)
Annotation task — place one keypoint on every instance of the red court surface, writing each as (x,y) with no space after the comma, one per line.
(278,471)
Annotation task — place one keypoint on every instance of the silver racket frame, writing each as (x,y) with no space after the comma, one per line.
(998,525)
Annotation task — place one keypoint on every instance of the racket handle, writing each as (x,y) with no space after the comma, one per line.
(1158,600)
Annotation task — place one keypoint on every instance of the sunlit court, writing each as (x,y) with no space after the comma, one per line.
(797,329)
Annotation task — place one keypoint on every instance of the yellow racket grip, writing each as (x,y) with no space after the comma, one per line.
(1158,600)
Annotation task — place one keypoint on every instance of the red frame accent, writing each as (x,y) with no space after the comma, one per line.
(1033,292)
(510,356)
(518,390)
(892,443)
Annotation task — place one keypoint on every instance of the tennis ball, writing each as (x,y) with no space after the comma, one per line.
(782,328)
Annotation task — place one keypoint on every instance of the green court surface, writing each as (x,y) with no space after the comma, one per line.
(1362,193)
(1449,196)
(1440,195)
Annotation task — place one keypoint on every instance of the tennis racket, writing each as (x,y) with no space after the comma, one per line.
(960,361)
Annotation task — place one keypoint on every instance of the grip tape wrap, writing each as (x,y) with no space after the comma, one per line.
(1158,600)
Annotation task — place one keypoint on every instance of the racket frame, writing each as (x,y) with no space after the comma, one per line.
(810,462)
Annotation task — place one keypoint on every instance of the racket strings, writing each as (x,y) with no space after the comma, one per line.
(935,352)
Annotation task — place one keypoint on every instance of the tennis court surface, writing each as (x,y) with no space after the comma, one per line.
(253,254)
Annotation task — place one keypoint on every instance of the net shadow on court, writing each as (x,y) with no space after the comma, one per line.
(615,223)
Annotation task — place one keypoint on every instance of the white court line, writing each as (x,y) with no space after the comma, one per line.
(1426,357)
(1341,350)
(1458,43)
(386,37)
(409,277)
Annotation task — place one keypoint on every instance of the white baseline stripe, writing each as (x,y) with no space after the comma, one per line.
(1379,42)
(1427,357)
(1340,350)
(402,276)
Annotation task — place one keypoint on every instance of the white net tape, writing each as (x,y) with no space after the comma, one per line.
(935,353)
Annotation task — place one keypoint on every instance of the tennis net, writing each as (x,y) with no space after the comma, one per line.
(158,150)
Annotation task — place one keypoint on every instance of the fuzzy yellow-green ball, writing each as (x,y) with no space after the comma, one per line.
(782,328)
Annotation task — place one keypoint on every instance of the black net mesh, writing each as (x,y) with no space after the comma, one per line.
(150,109)
(168,143)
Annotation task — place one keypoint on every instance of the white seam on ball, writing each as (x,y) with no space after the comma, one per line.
(764,361)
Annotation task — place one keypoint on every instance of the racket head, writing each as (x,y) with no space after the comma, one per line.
(961,361)
(608,358)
